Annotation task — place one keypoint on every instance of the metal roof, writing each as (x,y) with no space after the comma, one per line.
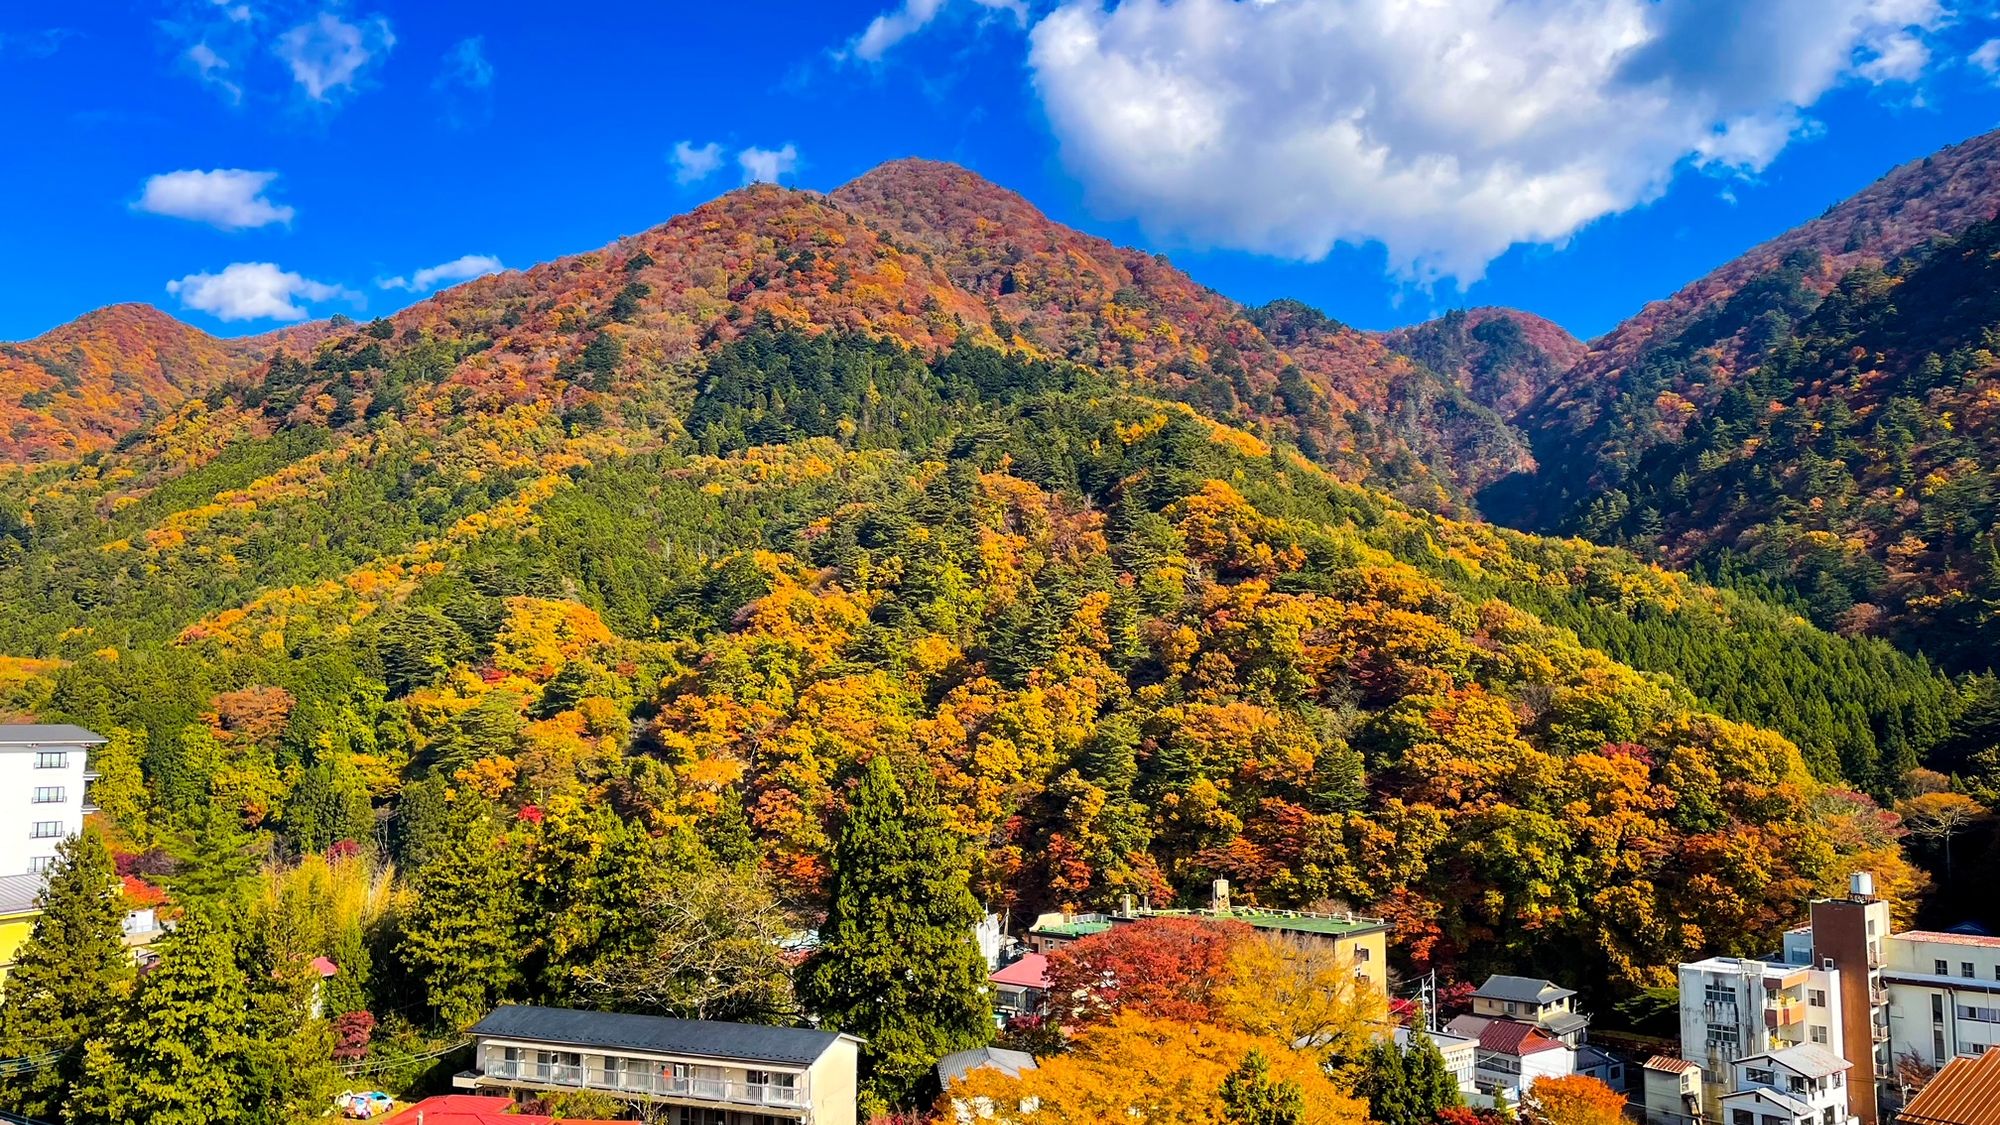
(953,1067)
(17,894)
(798,1046)
(1522,990)
(1808,1059)
(1965,1092)
(48,734)
(1670,1064)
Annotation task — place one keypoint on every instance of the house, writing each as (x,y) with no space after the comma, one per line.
(1511,1054)
(1803,1085)
(1593,1061)
(1461,1055)
(704,1072)
(1022,988)
(43,769)
(1965,1092)
(1671,1089)
(953,1067)
(1054,930)
(475,1109)
(17,915)
(1545,1004)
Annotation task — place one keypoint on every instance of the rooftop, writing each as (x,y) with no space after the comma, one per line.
(1031,971)
(1944,937)
(1072,929)
(1794,1106)
(1291,921)
(1965,1092)
(1809,1059)
(1670,1064)
(17,893)
(797,1046)
(1522,990)
(951,1068)
(473,1109)
(48,734)
(1506,1037)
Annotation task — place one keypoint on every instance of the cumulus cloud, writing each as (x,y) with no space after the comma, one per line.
(897,24)
(694,163)
(458,269)
(327,54)
(1987,57)
(1447,131)
(225,198)
(765,165)
(254,291)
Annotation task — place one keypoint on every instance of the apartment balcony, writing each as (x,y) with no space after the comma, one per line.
(1784,1015)
(634,1083)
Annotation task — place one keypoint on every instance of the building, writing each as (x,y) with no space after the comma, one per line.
(1022,988)
(42,774)
(1735,1007)
(1595,1062)
(17,915)
(1671,1091)
(1965,1092)
(1943,994)
(703,1071)
(1461,1055)
(1803,1085)
(1512,1054)
(1011,1063)
(1543,1003)
(476,1109)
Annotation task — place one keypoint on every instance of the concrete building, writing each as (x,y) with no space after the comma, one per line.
(1021,988)
(1734,1007)
(1670,1091)
(1511,1054)
(1803,1085)
(692,1072)
(43,770)
(1461,1055)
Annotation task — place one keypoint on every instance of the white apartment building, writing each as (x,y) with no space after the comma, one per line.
(43,770)
(1944,994)
(1733,1008)
(1804,1085)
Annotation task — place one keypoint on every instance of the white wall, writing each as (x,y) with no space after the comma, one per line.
(19,814)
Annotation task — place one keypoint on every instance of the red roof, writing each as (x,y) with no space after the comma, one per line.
(1511,1037)
(1031,971)
(324,967)
(475,1109)
(1984,941)
(1965,1092)
(1669,1064)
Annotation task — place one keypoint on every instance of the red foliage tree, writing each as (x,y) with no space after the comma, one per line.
(1162,967)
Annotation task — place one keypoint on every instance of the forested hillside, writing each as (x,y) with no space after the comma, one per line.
(1503,358)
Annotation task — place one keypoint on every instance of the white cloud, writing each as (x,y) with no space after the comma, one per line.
(1447,130)
(1987,57)
(466,65)
(211,66)
(233,12)
(694,163)
(458,269)
(226,198)
(254,291)
(899,23)
(327,53)
(765,165)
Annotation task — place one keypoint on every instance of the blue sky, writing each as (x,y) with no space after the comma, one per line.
(244,163)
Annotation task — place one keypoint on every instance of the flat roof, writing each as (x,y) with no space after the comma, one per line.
(1072,929)
(48,734)
(800,1046)
(1945,937)
(1291,921)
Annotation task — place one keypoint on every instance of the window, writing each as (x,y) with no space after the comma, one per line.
(1719,1036)
(1965,969)
(1819,1035)
(1981,1015)
(1827,1117)
(1742,1117)
(1361,954)
(1937,1046)
(51,759)
(1937,1007)
(41,863)
(1796,1084)
(1940,968)
(1871,927)
(1719,993)
(49,795)
(46,830)
(1816,997)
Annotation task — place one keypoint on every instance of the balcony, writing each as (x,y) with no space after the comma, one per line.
(1784,1014)
(720,1091)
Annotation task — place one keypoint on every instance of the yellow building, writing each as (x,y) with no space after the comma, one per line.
(17,915)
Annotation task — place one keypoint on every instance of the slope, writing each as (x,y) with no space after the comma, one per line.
(1647,380)
(1503,358)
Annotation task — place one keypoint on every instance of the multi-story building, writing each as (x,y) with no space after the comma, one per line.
(1803,1085)
(1944,994)
(42,774)
(1543,1003)
(694,1072)
(1733,1008)
(1510,1054)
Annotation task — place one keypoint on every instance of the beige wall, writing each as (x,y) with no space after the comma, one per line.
(833,1084)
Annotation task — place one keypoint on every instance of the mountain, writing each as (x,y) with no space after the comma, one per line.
(671,538)
(1503,358)
(1649,378)
(81,387)
(1811,416)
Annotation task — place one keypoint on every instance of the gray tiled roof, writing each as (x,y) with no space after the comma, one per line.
(1522,990)
(17,893)
(951,1068)
(48,734)
(797,1046)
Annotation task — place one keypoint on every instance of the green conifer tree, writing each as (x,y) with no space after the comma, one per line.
(1250,1096)
(1385,1084)
(69,978)
(173,1057)
(461,940)
(1431,1084)
(897,963)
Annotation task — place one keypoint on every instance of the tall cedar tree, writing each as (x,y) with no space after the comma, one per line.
(462,938)
(1250,1096)
(173,1056)
(1406,1087)
(1432,1085)
(898,964)
(69,978)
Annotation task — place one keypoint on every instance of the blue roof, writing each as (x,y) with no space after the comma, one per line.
(799,1046)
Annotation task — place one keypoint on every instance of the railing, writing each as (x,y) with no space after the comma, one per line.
(773,1094)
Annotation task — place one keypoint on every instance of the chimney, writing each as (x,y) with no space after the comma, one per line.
(1218,896)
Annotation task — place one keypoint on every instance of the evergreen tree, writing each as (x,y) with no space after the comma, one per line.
(1432,1086)
(1385,1083)
(897,962)
(461,939)
(173,1057)
(1251,1097)
(69,978)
